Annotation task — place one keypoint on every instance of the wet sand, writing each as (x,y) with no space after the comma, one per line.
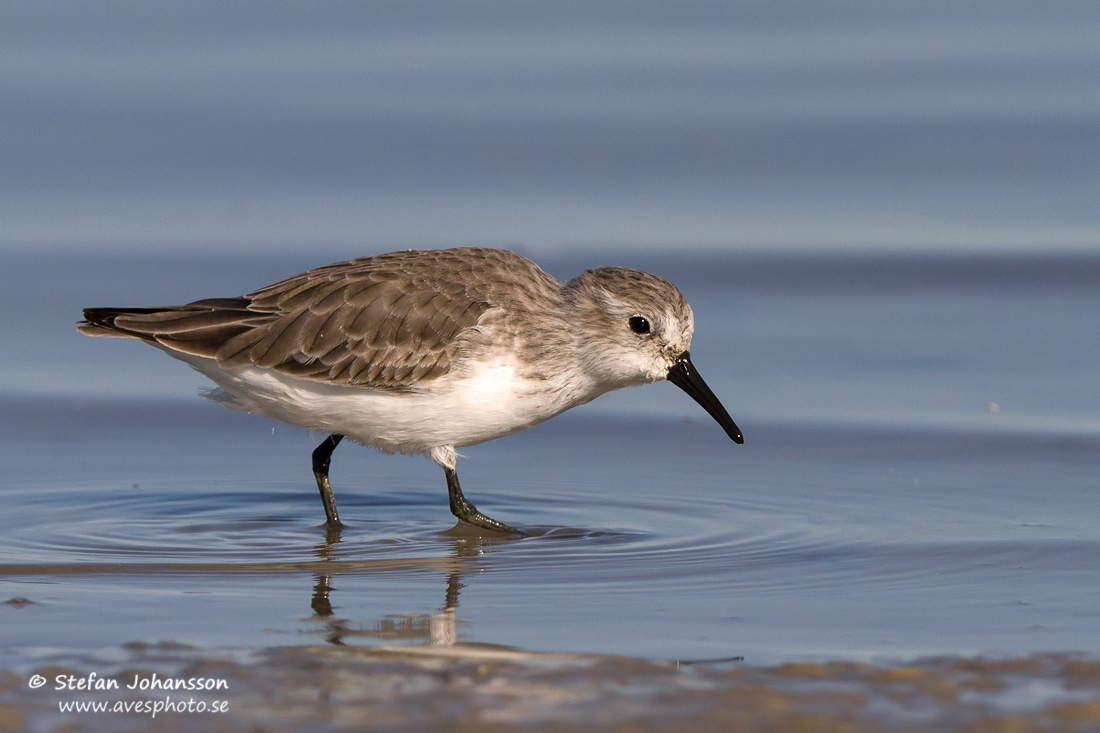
(486,688)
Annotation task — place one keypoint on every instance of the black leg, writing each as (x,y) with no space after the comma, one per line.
(322,455)
(468,513)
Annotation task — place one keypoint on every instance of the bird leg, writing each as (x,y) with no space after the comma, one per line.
(322,455)
(468,513)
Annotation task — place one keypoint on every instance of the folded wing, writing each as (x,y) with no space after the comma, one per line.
(386,322)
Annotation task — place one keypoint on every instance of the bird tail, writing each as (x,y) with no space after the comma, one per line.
(102,322)
(199,328)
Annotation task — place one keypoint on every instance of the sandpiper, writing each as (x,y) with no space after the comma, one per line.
(423,352)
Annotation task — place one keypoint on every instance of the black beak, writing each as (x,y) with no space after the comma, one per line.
(684,376)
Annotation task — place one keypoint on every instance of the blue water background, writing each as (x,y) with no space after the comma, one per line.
(884,215)
(786,124)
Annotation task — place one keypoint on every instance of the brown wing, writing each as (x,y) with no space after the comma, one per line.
(387,322)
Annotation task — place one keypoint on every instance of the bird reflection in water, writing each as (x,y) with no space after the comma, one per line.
(435,629)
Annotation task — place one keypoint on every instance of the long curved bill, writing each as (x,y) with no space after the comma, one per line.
(683,375)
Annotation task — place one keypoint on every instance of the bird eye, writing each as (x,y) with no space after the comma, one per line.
(638,324)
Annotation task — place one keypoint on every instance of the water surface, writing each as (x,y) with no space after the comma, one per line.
(918,477)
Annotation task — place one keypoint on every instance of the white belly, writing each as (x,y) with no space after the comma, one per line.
(488,404)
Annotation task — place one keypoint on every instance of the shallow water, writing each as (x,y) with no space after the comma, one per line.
(806,548)
(917,522)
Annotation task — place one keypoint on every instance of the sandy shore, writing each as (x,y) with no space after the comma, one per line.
(482,688)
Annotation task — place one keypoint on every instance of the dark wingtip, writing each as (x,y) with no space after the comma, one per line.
(96,321)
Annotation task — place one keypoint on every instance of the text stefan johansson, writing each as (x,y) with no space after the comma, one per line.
(94,682)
